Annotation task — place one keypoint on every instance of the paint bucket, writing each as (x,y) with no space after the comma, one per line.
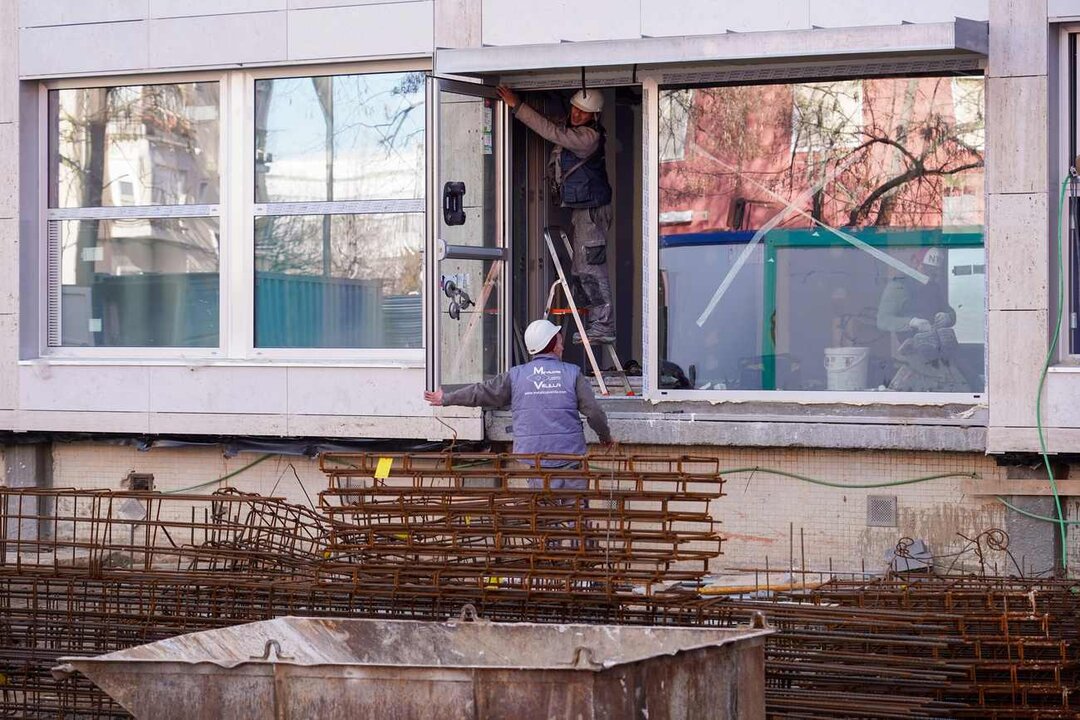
(845,367)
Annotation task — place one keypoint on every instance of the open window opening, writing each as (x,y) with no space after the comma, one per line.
(535,207)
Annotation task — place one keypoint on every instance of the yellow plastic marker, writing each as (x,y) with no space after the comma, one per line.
(382,470)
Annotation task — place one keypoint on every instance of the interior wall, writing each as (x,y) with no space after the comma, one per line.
(622,120)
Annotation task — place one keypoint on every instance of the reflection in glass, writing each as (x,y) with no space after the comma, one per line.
(134,145)
(338,281)
(468,134)
(824,236)
(139,283)
(470,308)
(343,137)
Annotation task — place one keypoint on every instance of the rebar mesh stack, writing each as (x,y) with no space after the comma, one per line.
(89,572)
(468,522)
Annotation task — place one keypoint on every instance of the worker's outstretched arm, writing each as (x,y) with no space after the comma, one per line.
(495,393)
(590,408)
(582,140)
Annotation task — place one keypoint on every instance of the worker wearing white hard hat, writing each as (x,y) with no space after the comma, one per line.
(547,398)
(926,350)
(580,174)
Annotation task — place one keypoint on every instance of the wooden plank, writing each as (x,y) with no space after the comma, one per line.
(1027,486)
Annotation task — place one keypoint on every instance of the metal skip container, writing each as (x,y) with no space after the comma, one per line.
(296,668)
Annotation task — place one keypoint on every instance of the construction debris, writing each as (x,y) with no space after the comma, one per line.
(418,536)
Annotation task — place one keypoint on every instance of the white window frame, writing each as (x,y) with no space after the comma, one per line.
(1065,360)
(652,83)
(236,212)
(47,215)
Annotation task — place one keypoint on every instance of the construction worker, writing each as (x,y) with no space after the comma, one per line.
(922,320)
(580,174)
(546,396)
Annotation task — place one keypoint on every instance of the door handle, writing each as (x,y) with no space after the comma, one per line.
(452,194)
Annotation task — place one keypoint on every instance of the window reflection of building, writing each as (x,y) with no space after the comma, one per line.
(134,189)
(790,211)
(148,276)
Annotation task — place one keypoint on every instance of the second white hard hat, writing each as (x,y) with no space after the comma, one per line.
(539,334)
(588,100)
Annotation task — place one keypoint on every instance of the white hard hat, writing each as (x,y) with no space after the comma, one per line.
(539,334)
(591,101)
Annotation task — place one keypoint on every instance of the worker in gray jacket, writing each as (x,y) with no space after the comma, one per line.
(545,396)
(581,175)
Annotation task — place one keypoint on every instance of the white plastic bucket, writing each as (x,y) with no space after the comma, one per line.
(845,367)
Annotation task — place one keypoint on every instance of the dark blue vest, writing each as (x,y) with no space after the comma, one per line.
(588,186)
(544,407)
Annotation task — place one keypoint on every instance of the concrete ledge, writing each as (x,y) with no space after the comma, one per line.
(959,37)
(698,429)
(1026,486)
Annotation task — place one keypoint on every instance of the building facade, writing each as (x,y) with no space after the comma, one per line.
(835,247)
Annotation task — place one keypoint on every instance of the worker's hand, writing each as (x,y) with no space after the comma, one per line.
(508,96)
(920,325)
(942,320)
(611,446)
(434,398)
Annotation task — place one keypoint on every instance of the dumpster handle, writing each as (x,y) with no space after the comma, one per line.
(276,646)
(583,659)
(469,614)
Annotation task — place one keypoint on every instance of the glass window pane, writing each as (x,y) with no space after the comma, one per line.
(139,283)
(825,236)
(134,145)
(338,281)
(345,137)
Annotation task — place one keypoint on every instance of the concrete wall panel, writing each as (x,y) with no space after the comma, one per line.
(218,40)
(9,267)
(88,422)
(218,424)
(854,13)
(1016,122)
(99,388)
(365,30)
(523,22)
(9,62)
(78,49)
(1061,406)
(202,389)
(9,171)
(190,8)
(376,391)
(1063,8)
(314,4)
(1017,343)
(9,355)
(1018,38)
(457,23)
(37,13)
(660,18)
(376,426)
(1016,252)
(1026,439)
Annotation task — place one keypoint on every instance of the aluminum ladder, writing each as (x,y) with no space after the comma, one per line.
(564,284)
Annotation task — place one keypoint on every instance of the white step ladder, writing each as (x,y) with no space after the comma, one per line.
(563,283)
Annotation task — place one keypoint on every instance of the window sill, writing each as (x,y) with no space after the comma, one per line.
(48,361)
(824,397)
(1067,368)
